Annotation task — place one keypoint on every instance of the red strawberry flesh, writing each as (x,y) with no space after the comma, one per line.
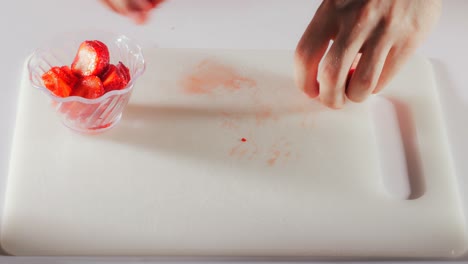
(124,70)
(60,81)
(116,77)
(92,58)
(89,87)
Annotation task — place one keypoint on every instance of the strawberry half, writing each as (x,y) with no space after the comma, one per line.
(92,58)
(89,87)
(116,77)
(124,70)
(60,80)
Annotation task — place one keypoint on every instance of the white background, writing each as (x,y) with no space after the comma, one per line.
(241,24)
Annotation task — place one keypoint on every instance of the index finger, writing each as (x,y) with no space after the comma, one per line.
(311,48)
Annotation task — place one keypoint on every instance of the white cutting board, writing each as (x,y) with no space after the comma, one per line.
(175,178)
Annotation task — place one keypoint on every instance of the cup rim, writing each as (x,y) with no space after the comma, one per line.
(75,98)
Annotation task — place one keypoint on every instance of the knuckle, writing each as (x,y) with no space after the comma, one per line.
(303,53)
(341,4)
(389,27)
(301,49)
(392,25)
(347,39)
(298,58)
(367,14)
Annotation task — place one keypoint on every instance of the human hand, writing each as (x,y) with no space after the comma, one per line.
(137,10)
(386,32)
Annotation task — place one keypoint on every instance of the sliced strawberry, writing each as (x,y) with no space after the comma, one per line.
(116,77)
(113,79)
(89,87)
(92,58)
(60,80)
(124,70)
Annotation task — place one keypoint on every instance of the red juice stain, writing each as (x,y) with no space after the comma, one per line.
(264,114)
(230,121)
(274,158)
(210,75)
(245,150)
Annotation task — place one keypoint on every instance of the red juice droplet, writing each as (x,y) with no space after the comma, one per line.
(350,75)
(244,140)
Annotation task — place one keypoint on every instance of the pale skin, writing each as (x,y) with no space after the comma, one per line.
(383,34)
(386,32)
(137,10)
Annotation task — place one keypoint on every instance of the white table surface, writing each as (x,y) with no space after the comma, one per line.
(245,24)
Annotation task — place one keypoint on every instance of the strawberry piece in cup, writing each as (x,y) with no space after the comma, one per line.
(90,76)
(77,91)
(125,71)
(92,58)
(60,81)
(89,87)
(116,77)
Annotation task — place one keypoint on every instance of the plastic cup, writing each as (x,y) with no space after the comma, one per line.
(78,113)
